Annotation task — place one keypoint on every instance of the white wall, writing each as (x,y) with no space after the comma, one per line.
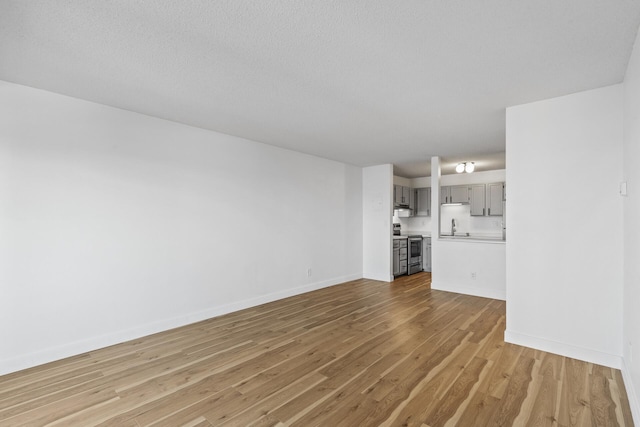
(454,262)
(377,210)
(564,216)
(474,178)
(631,210)
(400,180)
(114,225)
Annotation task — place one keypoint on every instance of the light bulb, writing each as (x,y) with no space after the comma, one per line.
(469,167)
(460,168)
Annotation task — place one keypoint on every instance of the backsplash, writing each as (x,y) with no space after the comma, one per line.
(465,223)
(417,224)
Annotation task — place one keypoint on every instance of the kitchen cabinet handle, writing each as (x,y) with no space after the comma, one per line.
(489,211)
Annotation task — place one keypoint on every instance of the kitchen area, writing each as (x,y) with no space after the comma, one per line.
(411,253)
(460,238)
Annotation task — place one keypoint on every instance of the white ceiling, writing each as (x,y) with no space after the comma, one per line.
(363,82)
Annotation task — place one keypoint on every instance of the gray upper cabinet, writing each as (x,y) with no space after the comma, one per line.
(445,195)
(495,196)
(483,199)
(423,201)
(397,195)
(460,194)
(454,194)
(477,201)
(401,195)
(412,200)
(406,195)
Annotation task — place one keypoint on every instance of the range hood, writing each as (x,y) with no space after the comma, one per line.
(403,212)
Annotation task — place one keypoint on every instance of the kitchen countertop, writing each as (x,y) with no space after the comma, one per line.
(417,233)
(478,238)
(460,238)
(404,236)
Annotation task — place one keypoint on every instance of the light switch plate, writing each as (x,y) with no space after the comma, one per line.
(623,188)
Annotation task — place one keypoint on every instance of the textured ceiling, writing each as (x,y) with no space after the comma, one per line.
(363,82)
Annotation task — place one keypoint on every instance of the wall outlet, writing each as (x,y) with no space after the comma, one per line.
(473,275)
(308,272)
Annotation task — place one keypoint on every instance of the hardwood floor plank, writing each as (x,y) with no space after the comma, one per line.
(574,404)
(619,391)
(59,409)
(503,370)
(602,405)
(263,408)
(457,394)
(515,393)
(543,412)
(362,353)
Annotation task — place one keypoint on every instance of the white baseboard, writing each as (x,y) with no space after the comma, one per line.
(568,350)
(476,292)
(78,347)
(631,393)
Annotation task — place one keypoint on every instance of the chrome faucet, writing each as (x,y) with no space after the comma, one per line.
(453,226)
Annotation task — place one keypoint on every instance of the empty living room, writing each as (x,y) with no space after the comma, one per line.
(303,213)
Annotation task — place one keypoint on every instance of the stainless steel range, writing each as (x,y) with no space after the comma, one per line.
(415,254)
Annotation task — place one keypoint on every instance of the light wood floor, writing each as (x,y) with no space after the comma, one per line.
(362,353)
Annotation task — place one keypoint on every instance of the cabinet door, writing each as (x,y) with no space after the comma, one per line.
(412,201)
(401,195)
(423,201)
(477,200)
(445,195)
(406,195)
(459,194)
(495,195)
(403,267)
(397,195)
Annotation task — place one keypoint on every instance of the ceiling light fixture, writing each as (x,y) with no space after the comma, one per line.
(470,167)
(467,167)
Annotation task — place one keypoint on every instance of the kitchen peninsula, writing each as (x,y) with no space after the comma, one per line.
(470,256)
